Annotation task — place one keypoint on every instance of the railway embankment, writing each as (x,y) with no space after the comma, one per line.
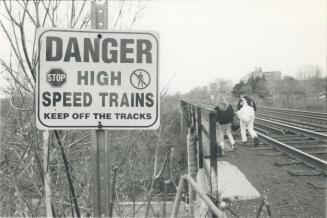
(288,195)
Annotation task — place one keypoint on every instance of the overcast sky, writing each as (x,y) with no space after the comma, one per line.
(201,41)
(206,40)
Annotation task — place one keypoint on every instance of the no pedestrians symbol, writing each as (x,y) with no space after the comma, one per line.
(140,79)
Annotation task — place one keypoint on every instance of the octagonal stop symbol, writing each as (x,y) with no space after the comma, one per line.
(56,77)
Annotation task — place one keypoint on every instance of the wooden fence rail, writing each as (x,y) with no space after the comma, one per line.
(199,121)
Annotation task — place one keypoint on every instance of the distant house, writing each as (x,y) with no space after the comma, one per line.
(269,75)
(272,79)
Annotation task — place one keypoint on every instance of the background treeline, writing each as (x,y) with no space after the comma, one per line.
(306,90)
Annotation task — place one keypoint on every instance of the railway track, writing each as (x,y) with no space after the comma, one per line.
(299,134)
(309,118)
(296,112)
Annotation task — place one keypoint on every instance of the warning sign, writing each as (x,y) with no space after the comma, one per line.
(97,79)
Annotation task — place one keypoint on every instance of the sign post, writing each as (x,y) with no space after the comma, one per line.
(99,151)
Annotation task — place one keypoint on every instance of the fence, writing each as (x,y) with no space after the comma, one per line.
(213,207)
(199,124)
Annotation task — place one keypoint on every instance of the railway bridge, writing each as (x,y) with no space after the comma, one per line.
(214,185)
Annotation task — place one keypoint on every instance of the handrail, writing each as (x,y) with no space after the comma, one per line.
(199,191)
(193,102)
(193,115)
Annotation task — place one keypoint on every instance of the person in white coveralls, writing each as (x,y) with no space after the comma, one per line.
(246,109)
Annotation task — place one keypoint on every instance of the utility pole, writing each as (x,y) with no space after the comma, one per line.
(99,151)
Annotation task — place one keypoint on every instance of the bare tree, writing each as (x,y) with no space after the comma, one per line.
(22,174)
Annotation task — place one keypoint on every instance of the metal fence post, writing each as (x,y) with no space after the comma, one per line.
(213,155)
(199,137)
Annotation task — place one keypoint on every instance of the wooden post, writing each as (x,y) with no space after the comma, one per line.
(183,124)
(213,156)
(192,164)
(47,187)
(193,117)
(99,151)
(199,137)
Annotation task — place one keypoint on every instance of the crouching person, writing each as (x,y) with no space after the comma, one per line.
(225,114)
(246,112)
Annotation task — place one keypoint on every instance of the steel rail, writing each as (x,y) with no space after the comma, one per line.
(308,159)
(311,134)
(322,114)
(299,116)
(293,121)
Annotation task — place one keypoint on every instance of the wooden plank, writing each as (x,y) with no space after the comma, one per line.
(301,142)
(263,148)
(303,173)
(316,152)
(318,185)
(272,153)
(199,137)
(287,163)
(309,146)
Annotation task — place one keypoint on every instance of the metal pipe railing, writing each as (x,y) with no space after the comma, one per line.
(219,213)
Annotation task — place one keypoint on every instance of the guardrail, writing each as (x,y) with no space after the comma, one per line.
(199,123)
(199,191)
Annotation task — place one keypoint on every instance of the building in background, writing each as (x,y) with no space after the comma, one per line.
(269,75)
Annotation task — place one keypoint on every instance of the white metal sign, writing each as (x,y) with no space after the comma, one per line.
(97,79)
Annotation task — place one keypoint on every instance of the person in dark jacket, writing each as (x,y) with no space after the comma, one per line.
(225,114)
